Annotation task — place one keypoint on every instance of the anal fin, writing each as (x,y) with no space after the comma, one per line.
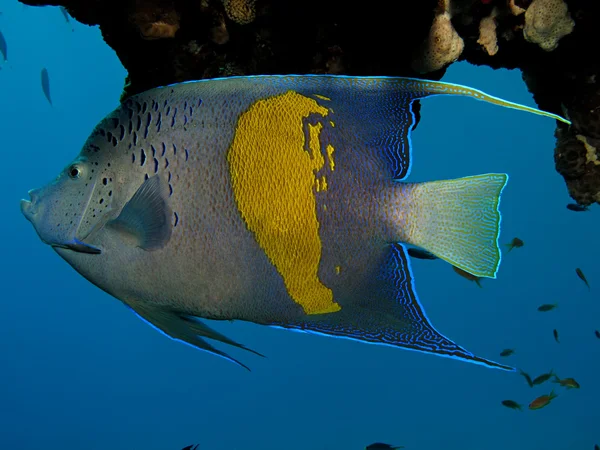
(389,313)
(186,328)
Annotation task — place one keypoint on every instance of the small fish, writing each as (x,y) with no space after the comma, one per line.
(543,400)
(289,159)
(382,446)
(577,207)
(64,12)
(555,334)
(420,254)
(547,307)
(515,243)
(569,383)
(527,378)
(191,447)
(467,275)
(507,352)
(3,47)
(597,333)
(543,378)
(580,274)
(46,85)
(512,404)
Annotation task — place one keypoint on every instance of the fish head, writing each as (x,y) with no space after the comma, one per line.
(79,201)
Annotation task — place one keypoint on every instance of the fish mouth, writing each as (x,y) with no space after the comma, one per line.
(79,246)
(27,210)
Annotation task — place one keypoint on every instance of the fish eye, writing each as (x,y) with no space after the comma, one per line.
(74,172)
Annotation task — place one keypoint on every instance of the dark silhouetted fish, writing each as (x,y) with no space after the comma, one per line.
(547,307)
(64,12)
(420,254)
(191,447)
(512,405)
(46,85)
(276,200)
(597,333)
(3,47)
(382,446)
(507,352)
(543,378)
(580,274)
(527,377)
(577,207)
(467,275)
(515,243)
(555,334)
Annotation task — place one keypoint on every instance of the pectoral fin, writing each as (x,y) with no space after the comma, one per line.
(146,217)
(186,328)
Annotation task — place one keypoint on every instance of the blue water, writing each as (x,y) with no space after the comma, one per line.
(80,371)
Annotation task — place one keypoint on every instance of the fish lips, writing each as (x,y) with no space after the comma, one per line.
(29,211)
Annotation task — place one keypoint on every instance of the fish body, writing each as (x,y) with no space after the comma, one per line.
(3,47)
(569,383)
(543,378)
(555,334)
(507,352)
(269,199)
(45,79)
(582,277)
(547,307)
(542,401)
(597,333)
(512,405)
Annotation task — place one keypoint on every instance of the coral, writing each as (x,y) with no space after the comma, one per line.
(442,47)
(168,41)
(240,11)
(487,34)
(546,22)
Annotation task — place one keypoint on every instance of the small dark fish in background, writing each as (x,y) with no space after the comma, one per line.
(555,334)
(3,47)
(382,446)
(577,207)
(421,254)
(543,378)
(527,378)
(190,447)
(543,400)
(46,85)
(515,243)
(597,333)
(512,405)
(547,307)
(507,352)
(64,12)
(467,275)
(580,274)
(569,383)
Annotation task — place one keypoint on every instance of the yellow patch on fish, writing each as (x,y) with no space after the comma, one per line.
(322,97)
(338,269)
(330,160)
(273,181)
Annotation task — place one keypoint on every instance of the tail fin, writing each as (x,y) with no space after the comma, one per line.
(457,220)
